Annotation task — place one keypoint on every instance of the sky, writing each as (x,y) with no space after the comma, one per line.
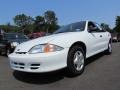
(67,11)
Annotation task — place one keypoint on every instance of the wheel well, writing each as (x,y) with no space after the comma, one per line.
(80,44)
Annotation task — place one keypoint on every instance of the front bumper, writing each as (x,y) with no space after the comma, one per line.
(36,63)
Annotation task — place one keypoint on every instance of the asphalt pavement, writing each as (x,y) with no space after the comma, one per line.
(102,72)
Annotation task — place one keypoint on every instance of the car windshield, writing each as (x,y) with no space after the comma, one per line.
(8,36)
(74,27)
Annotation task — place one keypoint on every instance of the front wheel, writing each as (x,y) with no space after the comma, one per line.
(76,61)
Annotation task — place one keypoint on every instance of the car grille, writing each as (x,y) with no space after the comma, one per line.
(19,65)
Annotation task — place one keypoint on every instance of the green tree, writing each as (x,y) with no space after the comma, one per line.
(106,27)
(39,24)
(117,24)
(51,21)
(9,28)
(23,21)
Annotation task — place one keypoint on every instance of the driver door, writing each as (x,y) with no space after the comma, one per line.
(96,39)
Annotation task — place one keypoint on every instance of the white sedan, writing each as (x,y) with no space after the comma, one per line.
(68,47)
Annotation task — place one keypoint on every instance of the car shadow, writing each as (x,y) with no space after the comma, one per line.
(51,77)
(39,78)
(94,58)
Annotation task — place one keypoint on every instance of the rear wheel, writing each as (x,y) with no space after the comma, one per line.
(109,50)
(76,61)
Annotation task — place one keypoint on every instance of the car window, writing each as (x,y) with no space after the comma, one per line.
(94,27)
(9,36)
(74,27)
(91,26)
(100,29)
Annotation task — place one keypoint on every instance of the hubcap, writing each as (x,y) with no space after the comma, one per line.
(78,60)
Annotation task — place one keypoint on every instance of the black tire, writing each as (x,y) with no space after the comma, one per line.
(109,50)
(71,67)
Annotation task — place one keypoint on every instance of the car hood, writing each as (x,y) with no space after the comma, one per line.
(26,46)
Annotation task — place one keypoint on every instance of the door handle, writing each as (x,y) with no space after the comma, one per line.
(100,35)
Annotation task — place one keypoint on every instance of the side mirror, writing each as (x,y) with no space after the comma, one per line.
(90,30)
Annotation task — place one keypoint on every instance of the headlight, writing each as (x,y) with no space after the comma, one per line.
(45,48)
(14,44)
